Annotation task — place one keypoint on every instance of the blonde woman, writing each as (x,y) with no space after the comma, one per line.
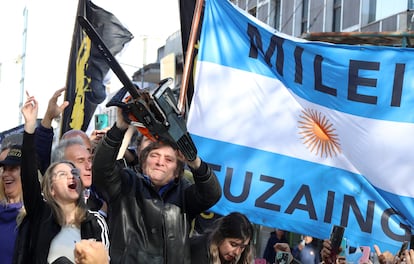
(10,200)
(59,218)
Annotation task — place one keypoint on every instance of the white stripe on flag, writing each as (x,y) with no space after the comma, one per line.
(251,110)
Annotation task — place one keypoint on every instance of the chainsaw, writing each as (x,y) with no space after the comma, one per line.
(155,114)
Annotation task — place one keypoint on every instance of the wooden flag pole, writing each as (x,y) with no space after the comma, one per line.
(189,55)
(125,142)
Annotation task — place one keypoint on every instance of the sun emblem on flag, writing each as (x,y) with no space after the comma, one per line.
(318,133)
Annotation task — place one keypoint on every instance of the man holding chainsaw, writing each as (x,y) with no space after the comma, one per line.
(149,214)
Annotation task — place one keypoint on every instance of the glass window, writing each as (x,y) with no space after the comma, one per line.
(277,15)
(337,9)
(253,11)
(372,9)
(305,18)
(351,10)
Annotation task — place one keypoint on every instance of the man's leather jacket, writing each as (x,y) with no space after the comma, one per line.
(144,226)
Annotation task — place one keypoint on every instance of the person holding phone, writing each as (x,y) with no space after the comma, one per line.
(326,254)
(284,254)
(276,236)
(306,252)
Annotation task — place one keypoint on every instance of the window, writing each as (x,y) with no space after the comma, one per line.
(372,9)
(277,15)
(305,16)
(411,4)
(253,11)
(337,9)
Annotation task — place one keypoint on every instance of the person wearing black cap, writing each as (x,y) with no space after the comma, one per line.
(10,202)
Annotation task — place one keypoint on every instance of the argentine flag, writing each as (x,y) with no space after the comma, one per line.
(306,135)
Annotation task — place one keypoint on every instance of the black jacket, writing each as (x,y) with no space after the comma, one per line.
(39,226)
(199,249)
(269,253)
(147,227)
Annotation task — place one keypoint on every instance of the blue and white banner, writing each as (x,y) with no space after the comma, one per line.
(306,135)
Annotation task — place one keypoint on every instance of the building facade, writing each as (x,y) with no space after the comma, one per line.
(298,17)
(301,18)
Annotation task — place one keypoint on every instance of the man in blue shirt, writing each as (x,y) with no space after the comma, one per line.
(306,252)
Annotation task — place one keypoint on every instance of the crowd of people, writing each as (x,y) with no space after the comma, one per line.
(76,201)
(313,251)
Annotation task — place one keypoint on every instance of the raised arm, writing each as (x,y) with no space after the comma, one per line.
(44,133)
(30,184)
(105,169)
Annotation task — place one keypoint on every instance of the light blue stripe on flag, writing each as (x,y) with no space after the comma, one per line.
(300,196)
(304,135)
(382,71)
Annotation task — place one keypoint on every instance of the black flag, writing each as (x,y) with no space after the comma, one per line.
(85,85)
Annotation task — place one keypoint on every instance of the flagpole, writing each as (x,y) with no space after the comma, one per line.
(80,10)
(189,55)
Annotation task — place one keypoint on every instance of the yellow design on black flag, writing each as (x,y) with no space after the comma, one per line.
(87,69)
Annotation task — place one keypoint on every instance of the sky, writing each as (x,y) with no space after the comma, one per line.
(49,34)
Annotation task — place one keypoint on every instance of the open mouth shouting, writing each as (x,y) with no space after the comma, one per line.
(9,183)
(72,185)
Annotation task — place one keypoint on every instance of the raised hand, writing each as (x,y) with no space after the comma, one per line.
(30,110)
(53,109)
(326,251)
(409,256)
(384,257)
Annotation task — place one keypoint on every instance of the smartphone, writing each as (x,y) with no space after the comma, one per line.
(404,246)
(412,242)
(344,247)
(282,257)
(101,121)
(336,237)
